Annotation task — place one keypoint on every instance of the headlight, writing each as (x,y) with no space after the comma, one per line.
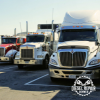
(53,62)
(96,61)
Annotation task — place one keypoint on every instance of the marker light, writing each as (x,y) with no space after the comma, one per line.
(12,55)
(73,26)
(77,26)
(81,26)
(62,27)
(93,26)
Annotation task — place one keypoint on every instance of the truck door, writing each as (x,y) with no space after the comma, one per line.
(48,44)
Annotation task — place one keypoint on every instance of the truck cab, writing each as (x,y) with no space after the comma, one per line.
(78,49)
(9,47)
(35,51)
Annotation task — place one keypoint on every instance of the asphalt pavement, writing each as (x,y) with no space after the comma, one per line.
(33,83)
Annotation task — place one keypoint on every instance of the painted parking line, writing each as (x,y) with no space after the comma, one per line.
(29,83)
(36,79)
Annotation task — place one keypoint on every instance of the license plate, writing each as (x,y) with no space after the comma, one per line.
(72,76)
(26,61)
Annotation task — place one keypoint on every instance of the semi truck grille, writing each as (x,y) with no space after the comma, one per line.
(75,59)
(26,53)
(79,58)
(66,58)
(2,52)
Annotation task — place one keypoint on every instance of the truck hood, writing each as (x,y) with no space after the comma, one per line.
(79,44)
(35,44)
(5,45)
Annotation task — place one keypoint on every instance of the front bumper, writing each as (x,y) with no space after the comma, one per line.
(56,72)
(6,59)
(28,62)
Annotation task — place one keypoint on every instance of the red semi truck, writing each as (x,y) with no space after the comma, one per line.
(9,47)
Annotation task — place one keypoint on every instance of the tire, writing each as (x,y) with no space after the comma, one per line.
(46,62)
(53,79)
(20,66)
(12,61)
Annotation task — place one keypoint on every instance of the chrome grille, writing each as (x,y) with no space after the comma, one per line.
(2,53)
(66,58)
(26,53)
(79,58)
(72,59)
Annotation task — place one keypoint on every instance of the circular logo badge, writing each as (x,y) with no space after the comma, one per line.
(83,86)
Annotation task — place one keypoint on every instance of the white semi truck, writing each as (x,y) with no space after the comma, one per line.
(37,49)
(78,49)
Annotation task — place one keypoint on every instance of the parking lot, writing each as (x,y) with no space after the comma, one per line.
(33,83)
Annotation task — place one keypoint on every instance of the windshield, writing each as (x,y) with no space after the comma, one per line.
(78,34)
(8,40)
(36,38)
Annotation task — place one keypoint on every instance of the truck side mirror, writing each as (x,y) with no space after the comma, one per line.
(24,40)
(97,43)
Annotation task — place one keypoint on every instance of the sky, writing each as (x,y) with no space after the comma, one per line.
(15,13)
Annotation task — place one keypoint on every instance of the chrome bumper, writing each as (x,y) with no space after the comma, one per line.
(28,62)
(6,59)
(56,72)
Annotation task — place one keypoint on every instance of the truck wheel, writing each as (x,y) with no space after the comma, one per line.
(20,66)
(45,62)
(53,79)
(12,61)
